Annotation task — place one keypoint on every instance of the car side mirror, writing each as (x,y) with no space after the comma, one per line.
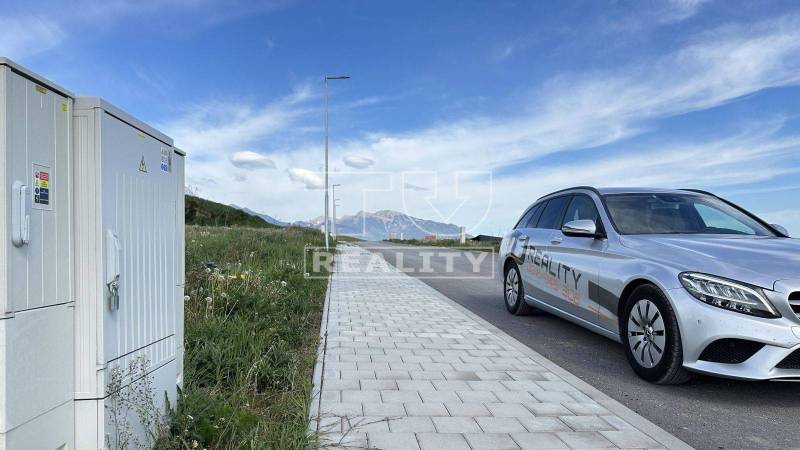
(781,229)
(580,228)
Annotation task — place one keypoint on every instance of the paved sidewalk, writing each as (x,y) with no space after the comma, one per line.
(403,367)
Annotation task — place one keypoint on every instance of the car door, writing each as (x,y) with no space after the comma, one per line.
(523,241)
(576,260)
(537,272)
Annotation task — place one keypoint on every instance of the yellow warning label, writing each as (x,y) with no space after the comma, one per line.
(64,106)
(142,166)
(41,89)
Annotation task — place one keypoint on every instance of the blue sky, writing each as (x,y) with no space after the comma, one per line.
(462,111)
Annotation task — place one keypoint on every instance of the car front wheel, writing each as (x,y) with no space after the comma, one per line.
(652,338)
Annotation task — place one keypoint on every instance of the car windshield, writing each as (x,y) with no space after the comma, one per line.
(663,213)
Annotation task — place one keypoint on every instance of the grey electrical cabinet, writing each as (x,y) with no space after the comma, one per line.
(128,246)
(36,251)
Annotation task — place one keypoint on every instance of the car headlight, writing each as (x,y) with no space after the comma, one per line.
(728,294)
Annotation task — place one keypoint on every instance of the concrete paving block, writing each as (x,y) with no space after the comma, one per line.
(587,423)
(439,396)
(456,425)
(538,441)
(426,409)
(508,410)
(412,424)
(467,409)
(378,385)
(401,397)
(441,441)
(500,425)
(486,441)
(393,441)
(585,440)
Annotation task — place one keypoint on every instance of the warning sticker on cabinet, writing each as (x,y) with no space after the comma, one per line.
(42,186)
(166,160)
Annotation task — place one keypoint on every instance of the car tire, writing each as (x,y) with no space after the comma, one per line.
(651,337)
(513,291)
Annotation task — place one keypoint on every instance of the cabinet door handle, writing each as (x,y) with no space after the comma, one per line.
(20,214)
(112,270)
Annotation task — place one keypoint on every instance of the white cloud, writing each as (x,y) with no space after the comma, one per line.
(572,112)
(311,180)
(679,10)
(24,36)
(357,161)
(217,128)
(251,161)
(24,32)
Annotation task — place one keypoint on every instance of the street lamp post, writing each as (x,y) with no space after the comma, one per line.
(333,222)
(335,204)
(341,77)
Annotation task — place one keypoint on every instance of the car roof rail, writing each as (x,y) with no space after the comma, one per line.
(588,188)
(700,191)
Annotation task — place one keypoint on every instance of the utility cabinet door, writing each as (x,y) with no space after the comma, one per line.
(139,201)
(38,161)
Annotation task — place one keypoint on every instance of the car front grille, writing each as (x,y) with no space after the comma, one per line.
(730,351)
(794,302)
(790,362)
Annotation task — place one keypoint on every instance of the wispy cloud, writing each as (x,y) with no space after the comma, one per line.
(571,112)
(217,128)
(678,10)
(789,218)
(25,32)
(22,36)
(587,110)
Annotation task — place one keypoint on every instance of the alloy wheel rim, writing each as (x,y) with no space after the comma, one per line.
(512,287)
(646,333)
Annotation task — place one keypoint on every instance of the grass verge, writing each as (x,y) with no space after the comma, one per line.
(450,243)
(251,334)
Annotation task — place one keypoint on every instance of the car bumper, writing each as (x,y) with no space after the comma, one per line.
(703,324)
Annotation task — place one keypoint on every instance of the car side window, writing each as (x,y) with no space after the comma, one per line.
(525,219)
(537,212)
(581,207)
(552,213)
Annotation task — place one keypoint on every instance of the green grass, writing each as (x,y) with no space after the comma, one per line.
(344,238)
(451,243)
(251,333)
(200,211)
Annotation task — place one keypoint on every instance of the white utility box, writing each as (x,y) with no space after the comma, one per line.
(36,284)
(91,270)
(128,237)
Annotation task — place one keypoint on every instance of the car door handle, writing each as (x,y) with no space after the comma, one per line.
(556,240)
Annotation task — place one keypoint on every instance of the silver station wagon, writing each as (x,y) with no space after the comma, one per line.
(685,280)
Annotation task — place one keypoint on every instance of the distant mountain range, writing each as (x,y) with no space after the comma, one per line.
(267,218)
(375,226)
(386,224)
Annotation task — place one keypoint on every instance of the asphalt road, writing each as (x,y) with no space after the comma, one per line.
(707,413)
